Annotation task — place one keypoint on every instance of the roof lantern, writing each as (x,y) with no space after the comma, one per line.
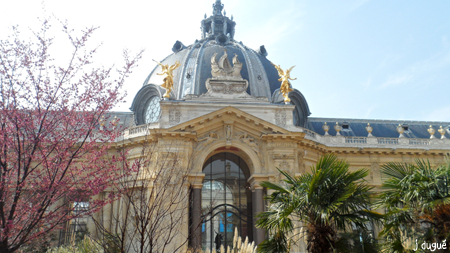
(218,25)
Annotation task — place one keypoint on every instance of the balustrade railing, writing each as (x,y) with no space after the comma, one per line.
(422,142)
(331,139)
(388,141)
(356,140)
(310,133)
(137,130)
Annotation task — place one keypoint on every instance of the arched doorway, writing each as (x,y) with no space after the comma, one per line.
(226,201)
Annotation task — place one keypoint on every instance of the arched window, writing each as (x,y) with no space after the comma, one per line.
(226,201)
(301,111)
(152,110)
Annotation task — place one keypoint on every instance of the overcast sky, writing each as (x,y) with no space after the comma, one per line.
(365,59)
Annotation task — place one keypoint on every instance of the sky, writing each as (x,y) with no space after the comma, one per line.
(366,59)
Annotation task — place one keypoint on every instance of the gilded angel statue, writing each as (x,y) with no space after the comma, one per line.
(168,80)
(284,79)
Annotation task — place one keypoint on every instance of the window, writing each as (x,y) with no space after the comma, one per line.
(152,110)
(226,201)
(79,223)
(77,227)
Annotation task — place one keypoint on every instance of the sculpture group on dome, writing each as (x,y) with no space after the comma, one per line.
(223,68)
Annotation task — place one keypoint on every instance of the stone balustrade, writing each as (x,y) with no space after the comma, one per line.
(136,131)
(377,142)
(340,141)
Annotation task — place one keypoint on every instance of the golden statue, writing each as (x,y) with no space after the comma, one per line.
(284,79)
(168,80)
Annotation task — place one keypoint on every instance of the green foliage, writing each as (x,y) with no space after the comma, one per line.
(357,242)
(110,244)
(42,245)
(329,199)
(87,245)
(277,242)
(417,203)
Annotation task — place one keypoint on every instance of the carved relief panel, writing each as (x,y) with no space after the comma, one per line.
(174,116)
(280,118)
(285,163)
(255,145)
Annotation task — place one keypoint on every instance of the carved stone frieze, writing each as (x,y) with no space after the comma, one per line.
(281,144)
(171,143)
(283,156)
(207,139)
(285,167)
(252,143)
(280,118)
(228,133)
(247,139)
(216,87)
(174,116)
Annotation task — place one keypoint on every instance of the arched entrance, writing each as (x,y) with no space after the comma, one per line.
(226,201)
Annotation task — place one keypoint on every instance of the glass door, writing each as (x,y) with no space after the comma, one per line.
(226,201)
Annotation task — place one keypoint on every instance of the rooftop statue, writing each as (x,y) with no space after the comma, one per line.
(168,80)
(217,8)
(223,68)
(226,81)
(284,79)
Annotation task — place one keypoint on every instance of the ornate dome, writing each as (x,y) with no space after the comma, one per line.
(217,36)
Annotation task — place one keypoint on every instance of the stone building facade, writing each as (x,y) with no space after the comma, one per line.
(227,113)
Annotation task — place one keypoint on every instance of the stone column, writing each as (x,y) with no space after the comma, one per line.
(259,235)
(196,212)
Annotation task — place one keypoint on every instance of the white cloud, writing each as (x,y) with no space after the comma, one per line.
(420,71)
(397,80)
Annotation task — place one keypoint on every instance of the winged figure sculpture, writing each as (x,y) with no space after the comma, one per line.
(285,76)
(168,80)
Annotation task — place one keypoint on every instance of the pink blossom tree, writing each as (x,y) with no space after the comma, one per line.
(53,143)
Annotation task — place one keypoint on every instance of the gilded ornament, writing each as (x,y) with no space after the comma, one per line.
(338,128)
(325,128)
(168,80)
(442,132)
(285,87)
(400,130)
(431,131)
(369,129)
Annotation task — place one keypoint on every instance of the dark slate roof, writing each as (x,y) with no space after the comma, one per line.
(381,128)
(126,119)
(195,60)
(195,68)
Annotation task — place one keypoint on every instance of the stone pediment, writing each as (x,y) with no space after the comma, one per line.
(229,114)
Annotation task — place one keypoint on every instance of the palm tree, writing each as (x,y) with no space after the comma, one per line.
(328,200)
(417,203)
